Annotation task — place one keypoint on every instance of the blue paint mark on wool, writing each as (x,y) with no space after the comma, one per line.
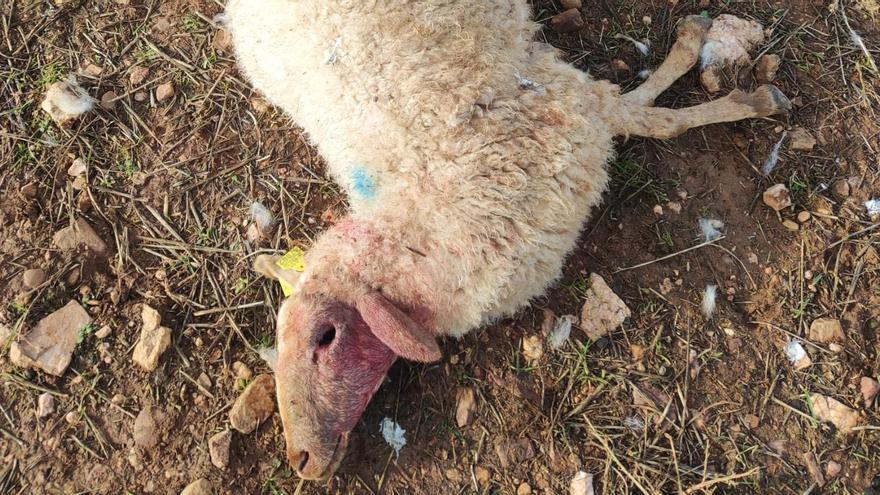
(363,184)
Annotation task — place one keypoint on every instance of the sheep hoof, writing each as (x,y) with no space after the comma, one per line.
(694,25)
(770,100)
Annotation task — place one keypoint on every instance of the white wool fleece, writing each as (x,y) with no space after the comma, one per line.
(467,185)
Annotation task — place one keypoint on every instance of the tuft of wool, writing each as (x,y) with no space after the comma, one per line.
(269,355)
(394,435)
(709,296)
(262,216)
(729,41)
(773,159)
(66,100)
(711,228)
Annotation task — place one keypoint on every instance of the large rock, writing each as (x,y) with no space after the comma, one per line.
(154,340)
(603,311)
(79,234)
(254,405)
(49,346)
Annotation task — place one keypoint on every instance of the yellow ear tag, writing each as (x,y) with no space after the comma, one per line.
(295,259)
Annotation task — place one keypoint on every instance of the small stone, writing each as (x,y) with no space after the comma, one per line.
(832,411)
(154,340)
(144,431)
(141,96)
(465,407)
(777,197)
(165,92)
(255,405)
(242,371)
(793,226)
(77,168)
(674,207)
(752,421)
(199,487)
(108,100)
(840,189)
(222,40)
(804,217)
(533,348)
(513,452)
(118,399)
(453,475)
(619,65)
(801,140)
(33,278)
(813,469)
(567,22)
(870,388)
(483,475)
(137,75)
(603,311)
(767,67)
(103,332)
(571,4)
(49,346)
(45,405)
(524,489)
(832,469)
(835,348)
(72,418)
(646,20)
(827,330)
(79,234)
(92,70)
(218,446)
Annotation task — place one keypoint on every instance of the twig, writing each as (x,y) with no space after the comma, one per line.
(723,479)
(668,256)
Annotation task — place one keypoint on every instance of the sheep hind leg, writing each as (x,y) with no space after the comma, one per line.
(664,123)
(685,52)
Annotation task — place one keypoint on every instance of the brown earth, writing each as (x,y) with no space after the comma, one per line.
(169,190)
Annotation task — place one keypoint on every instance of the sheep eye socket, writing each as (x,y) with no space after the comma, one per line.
(327,334)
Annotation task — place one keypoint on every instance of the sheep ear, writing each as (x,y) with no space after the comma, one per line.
(267,266)
(399,332)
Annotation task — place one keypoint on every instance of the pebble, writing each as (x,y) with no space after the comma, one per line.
(827,330)
(840,189)
(832,469)
(141,96)
(218,446)
(254,405)
(870,389)
(144,431)
(154,340)
(766,68)
(524,489)
(603,311)
(465,407)
(108,100)
(118,399)
(483,475)
(567,22)
(45,405)
(49,346)
(137,75)
(777,197)
(790,225)
(801,140)
(103,332)
(33,278)
(619,65)
(77,168)
(72,418)
(571,4)
(165,92)
(804,217)
(242,371)
(199,487)
(533,348)
(581,484)
(79,234)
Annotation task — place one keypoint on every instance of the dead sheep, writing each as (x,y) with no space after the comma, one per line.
(471,156)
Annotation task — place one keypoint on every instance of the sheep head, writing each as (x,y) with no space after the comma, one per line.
(333,354)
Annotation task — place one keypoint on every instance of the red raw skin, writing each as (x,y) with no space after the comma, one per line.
(332,357)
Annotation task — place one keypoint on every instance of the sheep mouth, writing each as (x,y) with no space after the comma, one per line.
(337,457)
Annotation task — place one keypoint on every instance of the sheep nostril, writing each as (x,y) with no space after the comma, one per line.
(303,460)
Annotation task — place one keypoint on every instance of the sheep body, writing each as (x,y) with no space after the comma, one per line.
(471,155)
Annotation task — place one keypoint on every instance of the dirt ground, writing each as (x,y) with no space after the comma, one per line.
(169,187)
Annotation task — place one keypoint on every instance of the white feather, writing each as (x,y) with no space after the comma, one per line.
(394,435)
(711,228)
(709,296)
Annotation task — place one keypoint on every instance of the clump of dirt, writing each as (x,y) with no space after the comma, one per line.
(168,166)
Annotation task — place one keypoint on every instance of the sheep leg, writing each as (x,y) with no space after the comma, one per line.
(684,54)
(665,123)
